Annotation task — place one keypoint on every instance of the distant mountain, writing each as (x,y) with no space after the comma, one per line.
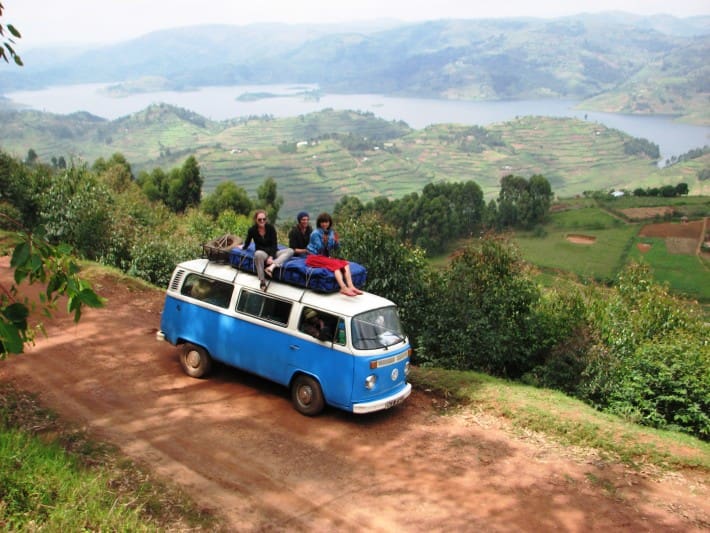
(573,57)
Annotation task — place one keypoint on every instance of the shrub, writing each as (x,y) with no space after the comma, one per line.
(651,359)
(483,315)
(665,385)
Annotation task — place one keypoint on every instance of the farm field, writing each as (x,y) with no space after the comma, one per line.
(594,243)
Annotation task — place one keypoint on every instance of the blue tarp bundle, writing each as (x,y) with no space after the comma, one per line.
(295,271)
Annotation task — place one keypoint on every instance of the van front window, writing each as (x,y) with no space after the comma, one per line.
(375,329)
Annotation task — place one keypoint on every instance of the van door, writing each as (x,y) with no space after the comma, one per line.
(261,335)
(315,349)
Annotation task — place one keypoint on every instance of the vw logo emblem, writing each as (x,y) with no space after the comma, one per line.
(394,374)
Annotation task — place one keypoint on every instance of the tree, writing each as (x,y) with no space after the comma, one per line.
(7,49)
(523,203)
(268,199)
(681,189)
(32,157)
(184,186)
(483,317)
(227,196)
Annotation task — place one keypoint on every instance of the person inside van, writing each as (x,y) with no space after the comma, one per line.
(322,244)
(300,234)
(315,326)
(267,255)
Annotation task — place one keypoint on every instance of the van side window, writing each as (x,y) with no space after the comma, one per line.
(262,306)
(318,324)
(207,290)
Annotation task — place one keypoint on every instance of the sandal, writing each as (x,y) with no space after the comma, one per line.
(269,271)
(263,285)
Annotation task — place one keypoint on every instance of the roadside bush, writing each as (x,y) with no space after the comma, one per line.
(154,259)
(665,385)
(483,317)
(77,209)
(563,337)
(651,359)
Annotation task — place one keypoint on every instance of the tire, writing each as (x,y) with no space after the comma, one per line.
(306,395)
(195,360)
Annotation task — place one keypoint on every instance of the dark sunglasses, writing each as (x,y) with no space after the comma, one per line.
(261,219)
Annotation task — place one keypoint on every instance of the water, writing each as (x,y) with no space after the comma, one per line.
(220,103)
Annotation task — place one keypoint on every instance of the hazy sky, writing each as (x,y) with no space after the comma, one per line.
(90,21)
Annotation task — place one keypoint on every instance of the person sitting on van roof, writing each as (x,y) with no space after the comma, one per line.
(267,255)
(300,234)
(323,242)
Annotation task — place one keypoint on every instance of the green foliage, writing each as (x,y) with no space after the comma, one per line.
(227,196)
(75,208)
(34,260)
(651,359)
(269,200)
(7,49)
(665,384)
(523,203)
(636,146)
(443,212)
(483,316)
(394,270)
(179,189)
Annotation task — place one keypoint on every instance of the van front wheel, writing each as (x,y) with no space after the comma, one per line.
(195,360)
(307,395)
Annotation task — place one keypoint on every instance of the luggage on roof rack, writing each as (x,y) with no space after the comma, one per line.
(295,271)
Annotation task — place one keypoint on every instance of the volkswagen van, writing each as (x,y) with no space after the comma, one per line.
(358,362)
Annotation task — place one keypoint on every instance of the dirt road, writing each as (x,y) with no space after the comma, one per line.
(241,450)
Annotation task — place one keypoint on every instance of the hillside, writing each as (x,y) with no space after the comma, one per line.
(511,458)
(574,57)
(317,158)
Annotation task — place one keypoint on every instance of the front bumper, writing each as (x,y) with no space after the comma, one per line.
(383,403)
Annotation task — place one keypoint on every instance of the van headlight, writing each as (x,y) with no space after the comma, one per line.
(370,381)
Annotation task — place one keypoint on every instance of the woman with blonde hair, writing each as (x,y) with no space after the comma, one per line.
(267,255)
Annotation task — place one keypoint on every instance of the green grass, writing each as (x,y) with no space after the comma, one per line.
(54,478)
(686,274)
(566,420)
(600,260)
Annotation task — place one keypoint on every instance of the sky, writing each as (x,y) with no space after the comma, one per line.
(43,22)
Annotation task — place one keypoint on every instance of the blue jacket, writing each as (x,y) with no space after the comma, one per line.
(316,244)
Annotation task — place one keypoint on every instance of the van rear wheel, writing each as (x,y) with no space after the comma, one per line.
(306,395)
(195,360)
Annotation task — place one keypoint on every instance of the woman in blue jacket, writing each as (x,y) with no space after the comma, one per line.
(323,242)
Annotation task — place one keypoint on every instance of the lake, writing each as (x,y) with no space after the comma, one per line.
(220,103)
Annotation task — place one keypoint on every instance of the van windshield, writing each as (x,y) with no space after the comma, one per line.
(375,329)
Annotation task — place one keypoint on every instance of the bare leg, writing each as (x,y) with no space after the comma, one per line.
(349,280)
(343,288)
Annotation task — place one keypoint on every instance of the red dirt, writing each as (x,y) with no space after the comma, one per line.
(236,444)
(688,230)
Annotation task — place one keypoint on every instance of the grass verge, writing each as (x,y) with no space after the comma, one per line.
(54,478)
(566,420)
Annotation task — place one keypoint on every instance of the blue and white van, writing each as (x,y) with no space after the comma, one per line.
(213,311)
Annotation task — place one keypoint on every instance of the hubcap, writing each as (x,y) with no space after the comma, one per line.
(193,359)
(305,394)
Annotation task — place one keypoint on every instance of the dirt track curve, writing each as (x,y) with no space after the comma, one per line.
(241,450)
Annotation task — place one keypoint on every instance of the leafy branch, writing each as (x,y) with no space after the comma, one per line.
(7,50)
(35,260)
